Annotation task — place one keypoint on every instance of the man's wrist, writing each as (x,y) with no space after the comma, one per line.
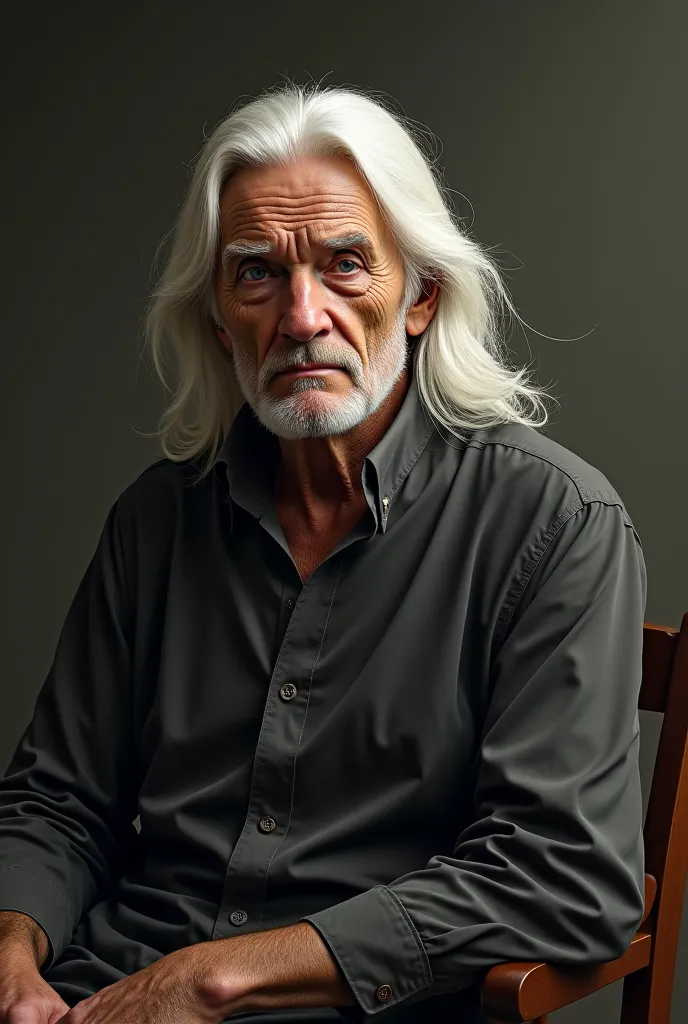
(282,968)
(22,940)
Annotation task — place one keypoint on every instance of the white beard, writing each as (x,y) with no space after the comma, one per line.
(311,410)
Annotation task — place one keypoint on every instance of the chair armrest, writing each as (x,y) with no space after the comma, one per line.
(525,991)
(521,991)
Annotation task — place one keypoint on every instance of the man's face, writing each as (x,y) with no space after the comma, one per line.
(314,321)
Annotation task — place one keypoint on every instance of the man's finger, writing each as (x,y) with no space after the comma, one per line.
(58,1014)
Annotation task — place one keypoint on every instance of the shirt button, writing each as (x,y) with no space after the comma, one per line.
(290,602)
(238,917)
(287,691)
(267,824)
(384,993)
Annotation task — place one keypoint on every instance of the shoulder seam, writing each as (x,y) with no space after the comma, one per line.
(585,493)
(516,591)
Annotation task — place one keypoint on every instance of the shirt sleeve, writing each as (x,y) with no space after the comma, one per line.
(551,867)
(68,798)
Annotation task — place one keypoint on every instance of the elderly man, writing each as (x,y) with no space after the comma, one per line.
(344,710)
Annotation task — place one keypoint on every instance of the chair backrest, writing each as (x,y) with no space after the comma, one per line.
(664,689)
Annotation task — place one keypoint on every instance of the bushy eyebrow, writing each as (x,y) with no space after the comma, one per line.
(245,247)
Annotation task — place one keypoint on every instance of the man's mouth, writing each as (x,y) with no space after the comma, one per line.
(308,369)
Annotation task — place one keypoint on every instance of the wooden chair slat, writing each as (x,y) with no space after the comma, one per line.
(528,992)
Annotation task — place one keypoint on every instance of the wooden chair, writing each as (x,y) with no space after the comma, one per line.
(529,991)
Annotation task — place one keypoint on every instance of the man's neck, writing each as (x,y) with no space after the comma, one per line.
(317,474)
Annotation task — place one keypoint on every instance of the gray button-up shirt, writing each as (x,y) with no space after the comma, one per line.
(429,750)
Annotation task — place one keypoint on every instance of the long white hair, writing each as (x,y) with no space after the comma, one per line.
(460,363)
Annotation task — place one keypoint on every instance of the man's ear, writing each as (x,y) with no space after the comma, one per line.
(419,315)
(223,337)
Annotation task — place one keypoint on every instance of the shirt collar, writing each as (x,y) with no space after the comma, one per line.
(249,457)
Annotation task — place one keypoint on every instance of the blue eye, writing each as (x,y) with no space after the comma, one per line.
(354,265)
(250,270)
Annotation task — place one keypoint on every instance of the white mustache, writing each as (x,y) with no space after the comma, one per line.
(327,356)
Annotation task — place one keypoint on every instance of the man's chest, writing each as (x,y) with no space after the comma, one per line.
(286,719)
(375,668)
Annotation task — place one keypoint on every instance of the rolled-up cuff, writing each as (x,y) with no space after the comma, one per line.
(29,892)
(379,951)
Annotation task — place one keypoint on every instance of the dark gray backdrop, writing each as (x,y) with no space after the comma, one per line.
(563,123)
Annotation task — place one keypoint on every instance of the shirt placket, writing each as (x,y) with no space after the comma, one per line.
(272,779)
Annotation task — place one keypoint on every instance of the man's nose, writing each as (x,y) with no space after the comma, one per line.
(304,316)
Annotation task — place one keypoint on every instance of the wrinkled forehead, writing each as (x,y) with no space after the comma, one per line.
(320,197)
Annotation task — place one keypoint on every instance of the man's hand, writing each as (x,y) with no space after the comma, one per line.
(25,996)
(206,982)
(180,988)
